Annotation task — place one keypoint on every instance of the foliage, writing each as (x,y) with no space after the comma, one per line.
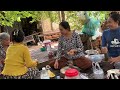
(7,18)
(76,23)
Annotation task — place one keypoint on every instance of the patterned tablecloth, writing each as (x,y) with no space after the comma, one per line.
(37,54)
(40,56)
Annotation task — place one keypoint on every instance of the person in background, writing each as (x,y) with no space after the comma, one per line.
(111,39)
(18,62)
(70,47)
(4,44)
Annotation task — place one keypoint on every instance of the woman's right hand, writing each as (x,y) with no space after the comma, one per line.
(36,61)
(56,64)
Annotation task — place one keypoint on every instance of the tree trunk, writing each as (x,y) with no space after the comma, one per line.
(63,15)
(59,16)
(50,20)
(51,25)
(2,28)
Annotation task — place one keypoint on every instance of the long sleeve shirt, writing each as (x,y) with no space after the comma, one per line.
(2,57)
(17,60)
(65,45)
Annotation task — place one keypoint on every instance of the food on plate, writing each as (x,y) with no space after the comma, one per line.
(51,74)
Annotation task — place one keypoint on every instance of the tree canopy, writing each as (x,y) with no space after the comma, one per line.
(7,18)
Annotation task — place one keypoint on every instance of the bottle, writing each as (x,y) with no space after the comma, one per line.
(48,48)
(40,43)
(44,74)
(58,77)
(106,57)
(50,52)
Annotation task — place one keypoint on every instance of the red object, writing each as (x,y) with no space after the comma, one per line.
(51,55)
(71,72)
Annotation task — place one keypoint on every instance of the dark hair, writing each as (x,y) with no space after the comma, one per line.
(17,35)
(65,25)
(115,16)
(113,12)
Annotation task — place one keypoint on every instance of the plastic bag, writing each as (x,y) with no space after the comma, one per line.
(113,74)
(91,26)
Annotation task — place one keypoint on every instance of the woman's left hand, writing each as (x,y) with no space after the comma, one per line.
(115,59)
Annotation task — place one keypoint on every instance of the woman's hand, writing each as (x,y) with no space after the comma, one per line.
(115,59)
(72,52)
(56,64)
(104,50)
(36,61)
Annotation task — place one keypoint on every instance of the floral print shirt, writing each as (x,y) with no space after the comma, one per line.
(65,45)
(2,57)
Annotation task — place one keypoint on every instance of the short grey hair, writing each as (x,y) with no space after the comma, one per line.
(4,36)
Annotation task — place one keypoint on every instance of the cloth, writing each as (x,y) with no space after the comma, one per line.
(32,73)
(82,62)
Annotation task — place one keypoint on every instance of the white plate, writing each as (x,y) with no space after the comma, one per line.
(91,52)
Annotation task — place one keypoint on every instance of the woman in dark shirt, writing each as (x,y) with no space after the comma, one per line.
(111,39)
(70,47)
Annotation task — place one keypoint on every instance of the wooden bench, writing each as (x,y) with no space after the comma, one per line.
(50,35)
(28,39)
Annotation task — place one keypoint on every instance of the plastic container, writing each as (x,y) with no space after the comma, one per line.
(44,74)
(72,74)
(43,49)
(47,44)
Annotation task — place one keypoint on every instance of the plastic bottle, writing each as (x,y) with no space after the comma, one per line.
(44,74)
(40,43)
(58,77)
(106,57)
(50,52)
(48,48)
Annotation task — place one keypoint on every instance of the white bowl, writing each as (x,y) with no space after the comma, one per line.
(96,58)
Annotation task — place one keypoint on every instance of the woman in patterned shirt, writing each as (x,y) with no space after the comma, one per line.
(4,43)
(70,47)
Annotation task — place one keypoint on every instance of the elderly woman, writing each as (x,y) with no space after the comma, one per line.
(4,43)
(70,47)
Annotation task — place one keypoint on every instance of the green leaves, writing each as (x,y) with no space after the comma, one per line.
(7,18)
(76,23)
